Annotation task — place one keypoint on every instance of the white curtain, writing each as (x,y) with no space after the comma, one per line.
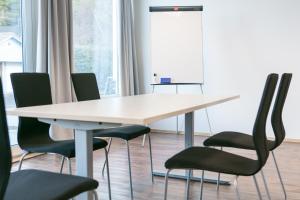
(30,25)
(128,59)
(55,46)
(52,49)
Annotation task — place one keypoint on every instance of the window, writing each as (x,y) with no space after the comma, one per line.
(94,24)
(10,54)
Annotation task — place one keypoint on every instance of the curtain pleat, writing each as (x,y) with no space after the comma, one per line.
(55,53)
(128,59)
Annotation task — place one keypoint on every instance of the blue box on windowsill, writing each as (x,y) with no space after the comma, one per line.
(165,80)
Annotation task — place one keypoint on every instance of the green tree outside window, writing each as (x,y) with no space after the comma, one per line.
(9,12)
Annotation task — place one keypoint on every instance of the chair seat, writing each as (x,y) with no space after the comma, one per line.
(124,132)
(65,147)
(37,185)
(214,160)
(235,140)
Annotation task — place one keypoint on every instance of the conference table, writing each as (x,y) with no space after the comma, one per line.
(86,116)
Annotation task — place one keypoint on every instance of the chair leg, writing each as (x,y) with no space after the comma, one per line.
(144,139)
(219,177)
(218,182)
(166,184)
(21,160)
(95,195)
(62,164)
(69,165)
(129,166)
(265,184)
(279,175)
(202,182)
(108,176)
(188,180)
(151,161)
(257,187)
(236,185)
(108,149)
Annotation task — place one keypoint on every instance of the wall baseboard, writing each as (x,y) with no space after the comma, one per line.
(205,134)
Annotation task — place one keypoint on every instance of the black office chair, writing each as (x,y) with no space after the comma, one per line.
(86,88)
(245,141)
(47,185)
(209,159)
(33,89)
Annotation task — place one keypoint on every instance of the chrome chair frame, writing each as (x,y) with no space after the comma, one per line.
(202,184)
(129,162)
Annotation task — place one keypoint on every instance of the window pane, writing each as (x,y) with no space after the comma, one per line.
(93,42)
(10,53)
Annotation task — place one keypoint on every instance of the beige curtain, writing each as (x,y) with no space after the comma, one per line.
(54,51)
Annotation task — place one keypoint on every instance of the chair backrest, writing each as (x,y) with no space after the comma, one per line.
(31,89)
(85,86)
(276,118)
(259,129)
(5,152)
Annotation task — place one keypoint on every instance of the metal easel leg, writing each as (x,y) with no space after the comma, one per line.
(177,131)
(207,116)
(144,137)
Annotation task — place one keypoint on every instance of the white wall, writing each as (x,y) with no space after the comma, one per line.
(243,42)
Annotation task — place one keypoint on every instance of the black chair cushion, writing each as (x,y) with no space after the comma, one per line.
(65,147)
(124,132)
(235,140)
(204,158)
(42,185)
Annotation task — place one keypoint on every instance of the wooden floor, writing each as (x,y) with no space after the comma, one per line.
(165,145)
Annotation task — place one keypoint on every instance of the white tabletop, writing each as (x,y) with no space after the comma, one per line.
(140,109)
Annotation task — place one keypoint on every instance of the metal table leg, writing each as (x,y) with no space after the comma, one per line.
(84,158)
